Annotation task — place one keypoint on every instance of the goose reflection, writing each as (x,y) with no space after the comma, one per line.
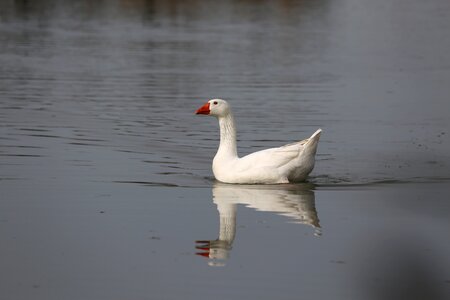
(296,202)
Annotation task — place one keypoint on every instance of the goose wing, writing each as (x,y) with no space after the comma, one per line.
(272,158)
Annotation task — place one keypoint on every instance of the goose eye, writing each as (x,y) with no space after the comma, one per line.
(215,102)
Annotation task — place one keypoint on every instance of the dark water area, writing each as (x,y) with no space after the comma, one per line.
(106,188)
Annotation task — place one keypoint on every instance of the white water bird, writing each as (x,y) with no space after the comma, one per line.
(288,163)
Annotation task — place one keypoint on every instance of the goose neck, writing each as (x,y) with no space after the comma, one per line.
(227,135)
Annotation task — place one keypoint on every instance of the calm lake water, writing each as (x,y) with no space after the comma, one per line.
(106,188)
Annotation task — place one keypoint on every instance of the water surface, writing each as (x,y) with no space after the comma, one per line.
(105,176)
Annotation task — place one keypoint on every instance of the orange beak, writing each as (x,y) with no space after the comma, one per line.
(204,110)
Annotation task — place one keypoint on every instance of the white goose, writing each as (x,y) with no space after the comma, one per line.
(288,163)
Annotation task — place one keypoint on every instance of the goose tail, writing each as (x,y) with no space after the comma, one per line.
(311,145)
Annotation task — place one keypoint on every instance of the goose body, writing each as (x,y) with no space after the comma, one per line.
(288,163)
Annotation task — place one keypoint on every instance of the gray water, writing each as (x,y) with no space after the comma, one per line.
(105,171)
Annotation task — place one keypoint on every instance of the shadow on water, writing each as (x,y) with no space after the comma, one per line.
(396,267)
(296,202)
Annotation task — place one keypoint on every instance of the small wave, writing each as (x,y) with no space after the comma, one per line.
(22,155)
(11,178)
(165,162)
(84,144)
(330,181)
(34,129)
(20,146)
(149,183)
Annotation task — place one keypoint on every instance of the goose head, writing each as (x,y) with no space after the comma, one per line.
(214,107)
